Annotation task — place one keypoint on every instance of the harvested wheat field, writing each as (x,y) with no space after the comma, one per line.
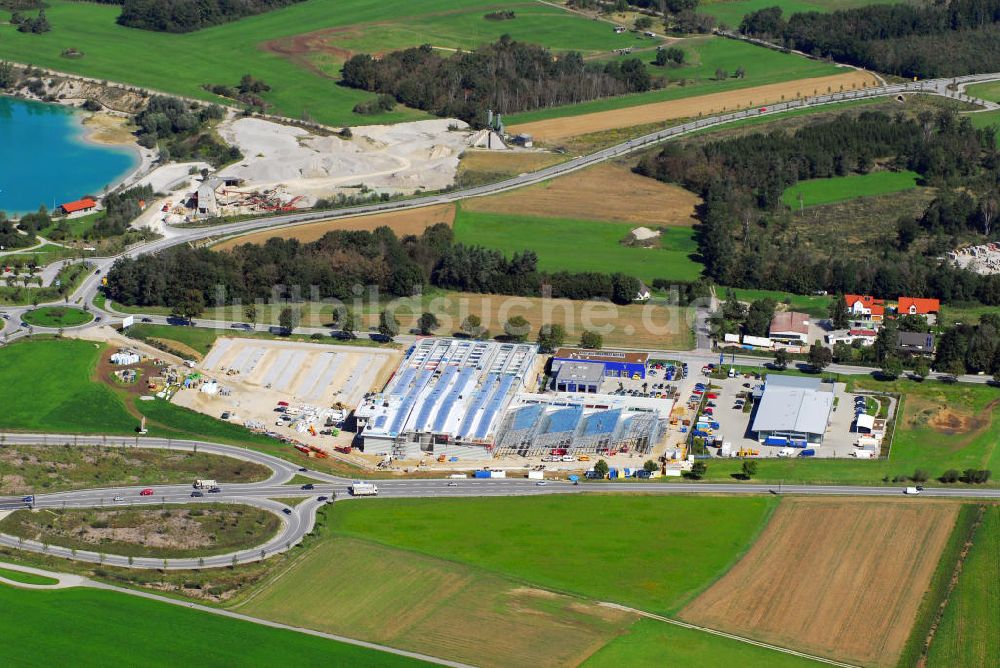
(410,221)
(444,608)
(571,126)
(837,577)
(585,195)
(506,163)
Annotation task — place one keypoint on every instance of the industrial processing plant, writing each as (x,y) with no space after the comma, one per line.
(479,399)
(447,398)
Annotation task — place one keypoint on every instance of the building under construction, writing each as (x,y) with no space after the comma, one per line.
(447,397)
(544,424)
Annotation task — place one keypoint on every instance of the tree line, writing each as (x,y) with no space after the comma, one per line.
(341,260)
(939,39)
(186,16)
(506,76)
(741,181)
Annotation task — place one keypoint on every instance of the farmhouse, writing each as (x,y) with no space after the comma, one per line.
(793,411)
(614,364)
(447,397)
(79,206)
(790,327)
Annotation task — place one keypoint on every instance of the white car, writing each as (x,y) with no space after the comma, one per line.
(119,498)
(541,483)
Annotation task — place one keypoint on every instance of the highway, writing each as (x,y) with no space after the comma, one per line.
(85,292)
(299,520)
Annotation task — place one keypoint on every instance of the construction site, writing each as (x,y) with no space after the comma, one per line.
(302,392)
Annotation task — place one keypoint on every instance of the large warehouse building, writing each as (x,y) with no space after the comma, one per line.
(793,411)
(447,398)
(538,424)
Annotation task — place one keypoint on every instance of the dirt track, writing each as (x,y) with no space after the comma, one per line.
(585,195)
(412,221)
(837,577)
(571,126)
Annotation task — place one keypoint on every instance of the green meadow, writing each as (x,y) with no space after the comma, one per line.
(653,644)
(46,385)
(705,55)
(582,245)
(87,627)
(815,192)
(303,84)
(655,553)
(968,634)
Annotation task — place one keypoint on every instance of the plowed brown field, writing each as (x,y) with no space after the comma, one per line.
(586,195)
(555,129)
(411,221)
(837,577)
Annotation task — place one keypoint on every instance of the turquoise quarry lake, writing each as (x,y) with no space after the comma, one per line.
(44,158)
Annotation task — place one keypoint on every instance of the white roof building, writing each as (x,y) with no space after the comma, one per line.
(793,409)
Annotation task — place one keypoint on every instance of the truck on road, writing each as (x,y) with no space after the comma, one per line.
(205,484)
(912,490)
(363,489)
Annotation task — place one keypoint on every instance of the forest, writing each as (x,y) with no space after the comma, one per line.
(179,128)
(939,39)
(506,76)
(741,181)
(330,267)
(189,15)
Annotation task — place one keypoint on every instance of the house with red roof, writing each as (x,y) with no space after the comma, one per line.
(917,306)
(79,206)
(866,307)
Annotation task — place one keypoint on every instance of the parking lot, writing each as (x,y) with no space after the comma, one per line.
(729,410)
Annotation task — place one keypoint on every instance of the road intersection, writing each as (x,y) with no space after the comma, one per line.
(299,520)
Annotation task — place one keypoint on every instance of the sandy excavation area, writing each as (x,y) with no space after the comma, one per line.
(410,221)
(556,129)
(584,195)
(836,577)
(255,374)
(387,158)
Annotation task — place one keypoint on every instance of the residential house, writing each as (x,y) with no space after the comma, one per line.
(917,306)
(867,307)
(915,343)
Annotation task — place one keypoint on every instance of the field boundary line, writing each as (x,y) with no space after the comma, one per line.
(276,625)
(730,636)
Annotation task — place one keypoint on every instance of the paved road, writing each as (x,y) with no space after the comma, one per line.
(298,520)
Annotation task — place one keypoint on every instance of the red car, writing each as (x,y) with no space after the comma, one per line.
(708,411)
(146,492)
(712,395)
(763,109)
